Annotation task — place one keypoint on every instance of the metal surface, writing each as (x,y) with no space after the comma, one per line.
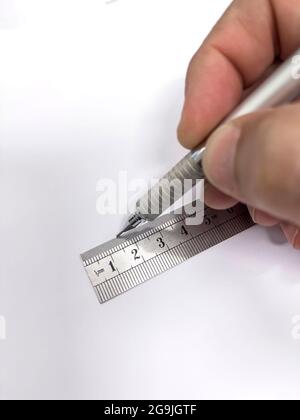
(123,264)
(161,197)
(283,86)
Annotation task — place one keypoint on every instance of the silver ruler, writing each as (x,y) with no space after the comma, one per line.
(122,264)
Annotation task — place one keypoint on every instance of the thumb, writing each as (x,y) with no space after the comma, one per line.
(256,160)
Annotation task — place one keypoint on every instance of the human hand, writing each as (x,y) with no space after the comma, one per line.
(254,159)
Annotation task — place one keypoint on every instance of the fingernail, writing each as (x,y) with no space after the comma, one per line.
(252,212)
(296,242)
(219,158)
(186,132)
(292,234)
(262,218)
(180,131)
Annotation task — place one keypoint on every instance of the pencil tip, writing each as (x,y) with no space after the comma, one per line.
(133,222)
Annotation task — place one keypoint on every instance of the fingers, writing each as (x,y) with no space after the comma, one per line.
(255,159)
(216,199)
(235,55)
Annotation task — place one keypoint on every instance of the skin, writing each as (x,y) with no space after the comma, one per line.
(254,159)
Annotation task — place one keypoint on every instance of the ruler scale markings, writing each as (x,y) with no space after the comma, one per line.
(104,298)
(142,268)
(140,279)
(130,283)
(144,271)
(139,274)
(168,262)
(182,257)
(127,280)
(150,269)
(116,287)
(102,287)
(173,259)
(161,266)
(178,248)
(124,283)
(193,248)
(107,296)
(165,261)
(153,268)
(182,252)
(155,265)
(99,293)
(108,289)
(177,257)
(130,278)
(147,270)
(227,230)
(190,249)
(199,243)
(161,263)
(102,293)
(133,275)
(120,286)
(183,249)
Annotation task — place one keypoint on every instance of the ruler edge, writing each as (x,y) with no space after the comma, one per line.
(114,296)
(126,243)
(243,215)
(137,238)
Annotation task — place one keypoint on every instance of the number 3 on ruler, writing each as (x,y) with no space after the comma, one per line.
(161,243)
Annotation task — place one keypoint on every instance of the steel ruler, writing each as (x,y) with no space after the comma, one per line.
(122,264)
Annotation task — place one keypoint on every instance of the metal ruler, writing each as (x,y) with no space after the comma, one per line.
(122,264)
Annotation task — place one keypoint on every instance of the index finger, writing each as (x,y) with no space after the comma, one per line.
(236,54)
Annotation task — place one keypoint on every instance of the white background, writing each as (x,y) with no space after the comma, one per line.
(88,89)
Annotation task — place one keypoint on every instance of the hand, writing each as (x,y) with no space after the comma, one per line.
(255,159)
